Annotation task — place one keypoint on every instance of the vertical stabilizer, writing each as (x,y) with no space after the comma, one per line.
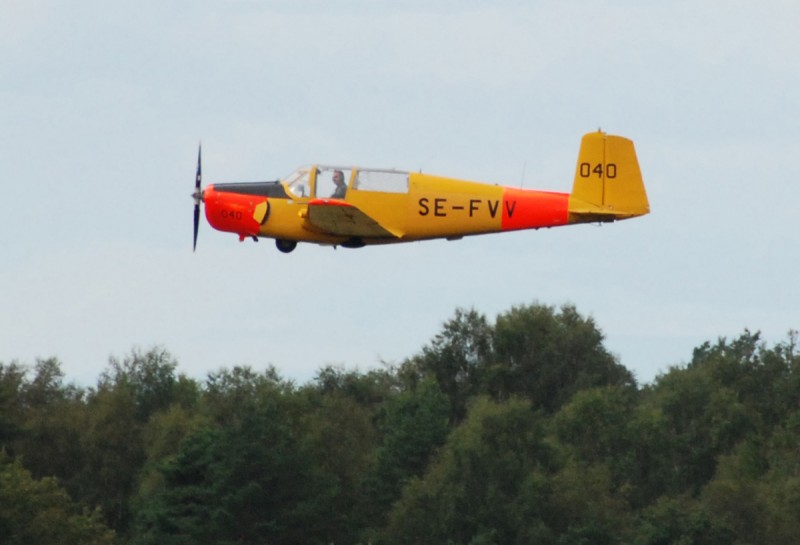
(608,183)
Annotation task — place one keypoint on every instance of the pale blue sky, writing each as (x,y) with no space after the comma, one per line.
(102,105)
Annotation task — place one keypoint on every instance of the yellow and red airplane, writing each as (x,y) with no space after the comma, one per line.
(355,207)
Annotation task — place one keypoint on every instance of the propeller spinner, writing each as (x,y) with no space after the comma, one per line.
(197,195)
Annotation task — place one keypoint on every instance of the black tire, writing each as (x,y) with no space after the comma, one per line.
(285,246)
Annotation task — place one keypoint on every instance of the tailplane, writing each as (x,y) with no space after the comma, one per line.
(608,183)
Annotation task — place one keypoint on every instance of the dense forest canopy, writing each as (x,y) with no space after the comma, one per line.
(522,430)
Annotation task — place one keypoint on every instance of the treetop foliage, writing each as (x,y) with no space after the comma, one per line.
(524,429)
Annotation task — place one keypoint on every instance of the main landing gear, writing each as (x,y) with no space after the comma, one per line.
(285,246)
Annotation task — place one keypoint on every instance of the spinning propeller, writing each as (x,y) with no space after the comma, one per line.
(197,195)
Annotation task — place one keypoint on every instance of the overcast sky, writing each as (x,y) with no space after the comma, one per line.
(102,105)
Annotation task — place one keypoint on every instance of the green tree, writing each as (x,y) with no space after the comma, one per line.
(341,439)
(150,376)
(249,477)
(53,425)
(682,520)
(756,491)
(230,395)
(584,507)
(162,438)
(547,356)
(114,453)
(598,424)
(368,389)
(489,484)
(455,358)
(413,426)
(765,380)
(12,378)
(128,394)
(185,509)
(703,421)
(41,512)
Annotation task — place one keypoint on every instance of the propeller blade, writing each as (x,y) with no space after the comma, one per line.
(198,195)
(199,176)
(196,225)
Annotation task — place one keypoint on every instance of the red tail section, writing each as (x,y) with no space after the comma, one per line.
(527,209)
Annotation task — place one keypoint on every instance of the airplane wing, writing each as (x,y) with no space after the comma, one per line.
(340,218)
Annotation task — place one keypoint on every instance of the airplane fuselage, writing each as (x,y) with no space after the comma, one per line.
(354,207)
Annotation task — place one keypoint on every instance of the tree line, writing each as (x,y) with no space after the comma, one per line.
(521,430)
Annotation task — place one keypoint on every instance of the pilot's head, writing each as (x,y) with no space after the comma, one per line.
(338,177)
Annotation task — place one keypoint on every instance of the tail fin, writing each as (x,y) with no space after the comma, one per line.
(608,183)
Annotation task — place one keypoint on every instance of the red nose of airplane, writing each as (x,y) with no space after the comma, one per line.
(234,212)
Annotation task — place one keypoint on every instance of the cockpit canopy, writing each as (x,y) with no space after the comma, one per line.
(319,181)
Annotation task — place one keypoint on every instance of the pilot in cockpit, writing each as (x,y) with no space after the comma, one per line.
(341,187)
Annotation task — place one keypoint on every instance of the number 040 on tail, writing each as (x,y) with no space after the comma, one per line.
(354,207)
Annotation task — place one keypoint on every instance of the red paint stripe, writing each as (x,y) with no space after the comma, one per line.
(527,209)
(329,202)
